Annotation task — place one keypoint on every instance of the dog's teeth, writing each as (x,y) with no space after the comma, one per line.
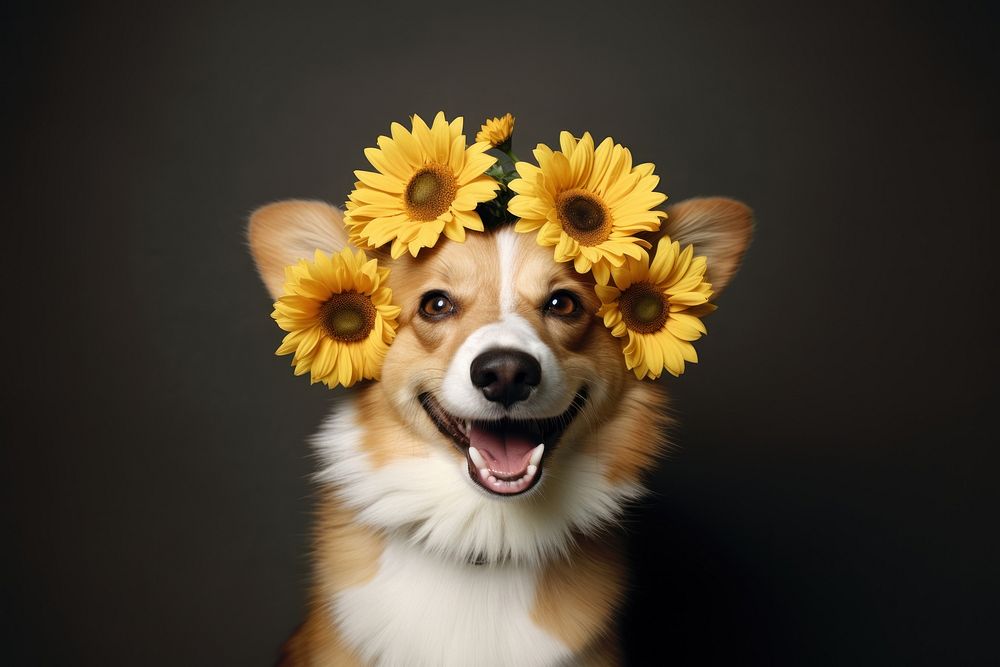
(493,480)
(480,463)
(532,469)
(477,458)
(536,454)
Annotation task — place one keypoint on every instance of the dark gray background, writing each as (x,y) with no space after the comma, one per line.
(832,499)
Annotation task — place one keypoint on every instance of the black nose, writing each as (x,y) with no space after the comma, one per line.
(505,376)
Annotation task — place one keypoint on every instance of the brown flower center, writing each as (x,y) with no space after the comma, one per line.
(583,216)
(348,317)
(430,192)
(644,308)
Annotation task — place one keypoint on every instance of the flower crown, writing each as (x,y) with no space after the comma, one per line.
(588,202)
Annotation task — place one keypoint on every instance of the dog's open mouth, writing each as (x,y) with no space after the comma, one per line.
(505,456)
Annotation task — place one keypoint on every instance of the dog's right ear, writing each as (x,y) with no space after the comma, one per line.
(282,233)
(719,228)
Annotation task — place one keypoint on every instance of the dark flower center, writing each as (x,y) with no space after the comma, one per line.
(644,308)
(348,317)
(584,216)
(430,192)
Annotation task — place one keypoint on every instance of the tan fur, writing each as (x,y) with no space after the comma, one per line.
(345,554)
(719,228)
(636,450)
(467,271)
(317,644)
(285,232)
(605,652)
(347,551)
(386,436)
(575,599)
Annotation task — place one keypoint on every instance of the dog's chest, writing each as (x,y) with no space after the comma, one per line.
(419,610)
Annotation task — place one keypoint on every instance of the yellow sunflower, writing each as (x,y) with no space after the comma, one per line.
(659,306)
(589,203)
(497,131)
(339,317)
(427,182)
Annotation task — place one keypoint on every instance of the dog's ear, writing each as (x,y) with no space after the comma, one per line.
(718,228)
(287,231)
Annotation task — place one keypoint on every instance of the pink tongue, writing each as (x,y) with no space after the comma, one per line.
(506,450)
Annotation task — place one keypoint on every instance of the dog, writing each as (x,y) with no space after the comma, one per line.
(468,503)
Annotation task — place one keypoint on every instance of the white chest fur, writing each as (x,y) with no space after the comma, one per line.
(422,610)
(431,498)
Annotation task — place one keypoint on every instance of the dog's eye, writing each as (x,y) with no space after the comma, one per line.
(562,303)
(436,305)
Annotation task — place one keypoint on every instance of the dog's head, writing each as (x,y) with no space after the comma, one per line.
(505,418)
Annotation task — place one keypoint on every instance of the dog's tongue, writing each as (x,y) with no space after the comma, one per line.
(507,447)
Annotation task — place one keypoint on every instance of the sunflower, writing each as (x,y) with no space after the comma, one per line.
(497,132)
(587,203)
(339,317)
(427,182)
(659,306)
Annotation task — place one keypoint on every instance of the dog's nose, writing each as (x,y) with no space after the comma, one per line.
(505,376)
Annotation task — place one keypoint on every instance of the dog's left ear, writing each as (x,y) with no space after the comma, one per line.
(282,233)
(718,228)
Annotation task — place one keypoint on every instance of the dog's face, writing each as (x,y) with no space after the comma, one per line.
(505,418)
(498,357)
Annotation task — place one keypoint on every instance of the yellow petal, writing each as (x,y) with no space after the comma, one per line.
(602,272)
(475,165)
(380,181)
(682,330)
(455,127)
(653,352)
(422,134)
(454,230)
(456,155)
(345,369)
(469,220)
(407,144)
(442,139)
(386,166)
(672,358)
(582,161)
(607,294)
(527,225)
(687,351)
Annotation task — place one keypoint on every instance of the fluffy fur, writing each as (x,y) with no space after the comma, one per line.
(417,564)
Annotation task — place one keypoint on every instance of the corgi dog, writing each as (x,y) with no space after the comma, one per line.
(468,502)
